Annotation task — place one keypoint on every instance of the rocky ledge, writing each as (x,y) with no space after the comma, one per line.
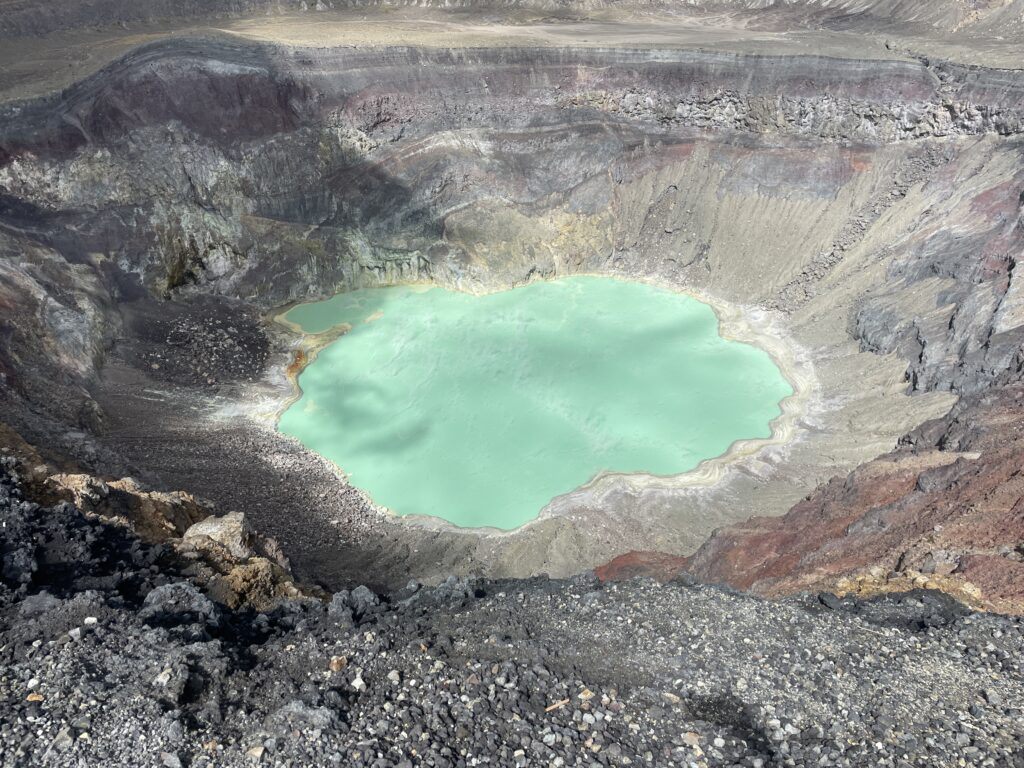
(131,528)
(113,655)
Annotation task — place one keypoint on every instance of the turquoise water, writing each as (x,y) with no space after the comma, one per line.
(481,409)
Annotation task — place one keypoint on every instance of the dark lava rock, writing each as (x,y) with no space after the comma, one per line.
(177,602)
(537,672)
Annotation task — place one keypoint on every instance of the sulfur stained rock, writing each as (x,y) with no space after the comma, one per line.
(154,516)
(258,583)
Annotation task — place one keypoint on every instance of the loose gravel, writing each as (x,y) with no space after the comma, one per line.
(110,657)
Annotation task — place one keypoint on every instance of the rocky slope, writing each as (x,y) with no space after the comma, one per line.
(944,508)
(110,657)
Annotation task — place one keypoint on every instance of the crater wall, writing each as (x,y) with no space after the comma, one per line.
(868,212)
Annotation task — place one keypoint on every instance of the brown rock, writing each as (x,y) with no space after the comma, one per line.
(655,565)
(257,582)
(230,531)
(945,510)
(222,554)
(154,516)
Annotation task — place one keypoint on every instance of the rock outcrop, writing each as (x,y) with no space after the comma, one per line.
(244,567)
(236,566)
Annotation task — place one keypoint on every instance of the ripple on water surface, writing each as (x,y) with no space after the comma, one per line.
(481,409)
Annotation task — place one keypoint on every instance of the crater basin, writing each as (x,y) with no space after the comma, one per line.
(480,409)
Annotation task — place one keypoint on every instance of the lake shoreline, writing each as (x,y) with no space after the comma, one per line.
(748,325)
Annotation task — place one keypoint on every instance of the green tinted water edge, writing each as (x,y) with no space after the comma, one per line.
(480,409)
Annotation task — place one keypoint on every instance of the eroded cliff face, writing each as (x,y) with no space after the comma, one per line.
(271,176)
(869,210)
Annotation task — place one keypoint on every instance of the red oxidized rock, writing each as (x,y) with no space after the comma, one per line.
(944,511)
(656,565)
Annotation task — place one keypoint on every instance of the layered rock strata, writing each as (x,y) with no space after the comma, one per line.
(865,212)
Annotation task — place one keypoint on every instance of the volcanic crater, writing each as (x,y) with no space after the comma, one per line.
(184,584)
(859,217)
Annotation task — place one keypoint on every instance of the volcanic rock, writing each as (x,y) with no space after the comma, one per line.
(944,511)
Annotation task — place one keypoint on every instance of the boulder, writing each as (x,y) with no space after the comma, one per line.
(177,601)
(230,531)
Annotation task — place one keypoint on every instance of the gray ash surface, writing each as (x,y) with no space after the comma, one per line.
(111,658)
(198,342)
